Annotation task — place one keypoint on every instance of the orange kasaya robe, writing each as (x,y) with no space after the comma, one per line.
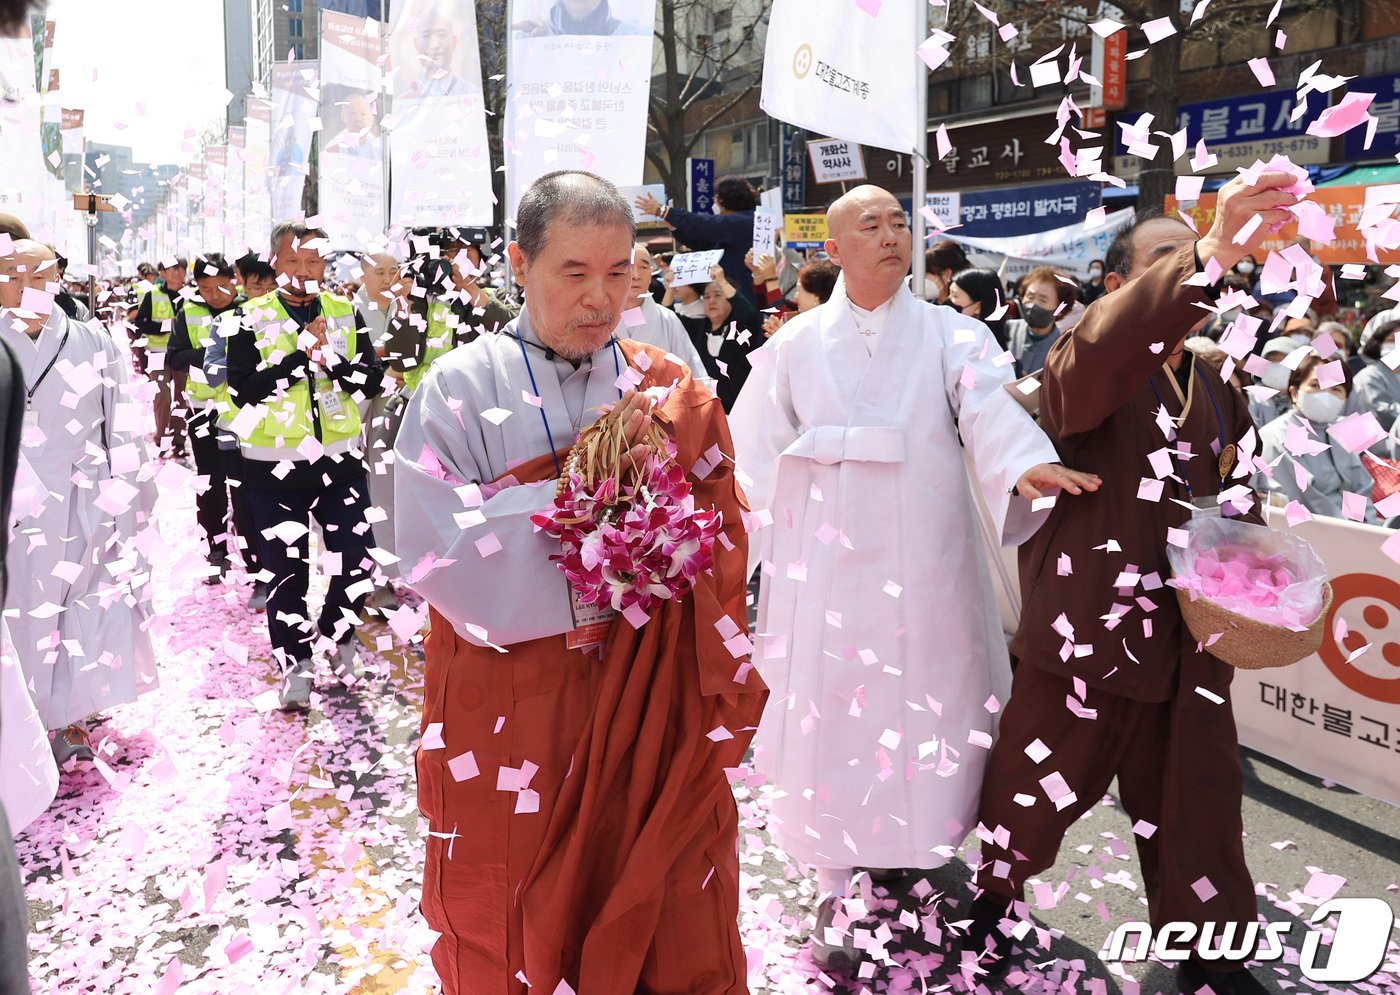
(626,878)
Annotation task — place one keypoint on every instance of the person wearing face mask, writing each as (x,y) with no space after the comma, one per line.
(1093,288)
(942,261)
(1266,409)
(1043,296)
(1378,385)
(1301,330)
(1287,443)
(1246,267)
(978,294)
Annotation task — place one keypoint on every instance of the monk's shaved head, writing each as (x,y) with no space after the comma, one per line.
(870,241)
(852,205)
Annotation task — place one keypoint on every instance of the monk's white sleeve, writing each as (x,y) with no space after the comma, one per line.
(763,425)
(1002,439)
(479,562)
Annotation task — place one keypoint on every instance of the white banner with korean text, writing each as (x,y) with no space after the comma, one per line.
(838,69)
(440,163)
(295,93)
(577,91)
(350,152)
(1326,716)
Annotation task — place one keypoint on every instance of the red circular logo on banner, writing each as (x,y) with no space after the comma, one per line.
(1381,615)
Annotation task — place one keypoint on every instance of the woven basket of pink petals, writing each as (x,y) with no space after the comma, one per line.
(1253,597)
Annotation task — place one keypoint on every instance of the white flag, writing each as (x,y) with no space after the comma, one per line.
(838,70)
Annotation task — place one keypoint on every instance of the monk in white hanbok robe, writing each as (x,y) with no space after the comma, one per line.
(879,634)
(77,608)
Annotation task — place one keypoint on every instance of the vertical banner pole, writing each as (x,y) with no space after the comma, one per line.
(919,159)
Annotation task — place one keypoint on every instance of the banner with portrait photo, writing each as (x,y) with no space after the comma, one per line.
(350,162)
(295,96)
(578,86)
(439,159)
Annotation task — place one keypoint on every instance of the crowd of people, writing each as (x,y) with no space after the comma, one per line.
(315,405)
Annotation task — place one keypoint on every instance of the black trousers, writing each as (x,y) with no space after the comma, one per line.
(232,458)
(211,507)
(340,510)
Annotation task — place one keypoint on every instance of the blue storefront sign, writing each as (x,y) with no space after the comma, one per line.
(1386,109)
(702,184)
(794,165)
(1258,126)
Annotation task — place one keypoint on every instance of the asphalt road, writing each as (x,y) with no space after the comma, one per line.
(227,848)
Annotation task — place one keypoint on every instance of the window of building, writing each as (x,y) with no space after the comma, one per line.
(295,6)
(294,27)
(723,19)
(298,50)
(974,93)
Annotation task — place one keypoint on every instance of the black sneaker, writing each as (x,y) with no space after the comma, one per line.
(1193,977)
(984,938)
(220,567)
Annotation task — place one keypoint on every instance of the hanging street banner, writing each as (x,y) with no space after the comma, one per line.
(257,194)
(1070,249)
(829,68)
(295,94)
(577,92)
(350,162)
(440,162)
(21,181)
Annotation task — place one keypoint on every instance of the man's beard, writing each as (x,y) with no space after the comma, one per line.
(569,345)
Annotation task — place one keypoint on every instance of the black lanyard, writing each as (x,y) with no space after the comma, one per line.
(520,340)
(29,398)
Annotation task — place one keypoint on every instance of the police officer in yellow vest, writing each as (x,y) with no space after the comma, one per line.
(155,320)
(446,307)
(297,369)
(196,327)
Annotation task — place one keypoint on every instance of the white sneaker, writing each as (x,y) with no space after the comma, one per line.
(345,661)
(295,692)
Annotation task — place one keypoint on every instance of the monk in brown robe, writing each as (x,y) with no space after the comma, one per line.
(583,835)
(1145,704)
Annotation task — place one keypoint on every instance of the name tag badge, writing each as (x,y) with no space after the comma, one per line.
(330,399)
(591,622)
(339,343)
(31,418)
(1205,507)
